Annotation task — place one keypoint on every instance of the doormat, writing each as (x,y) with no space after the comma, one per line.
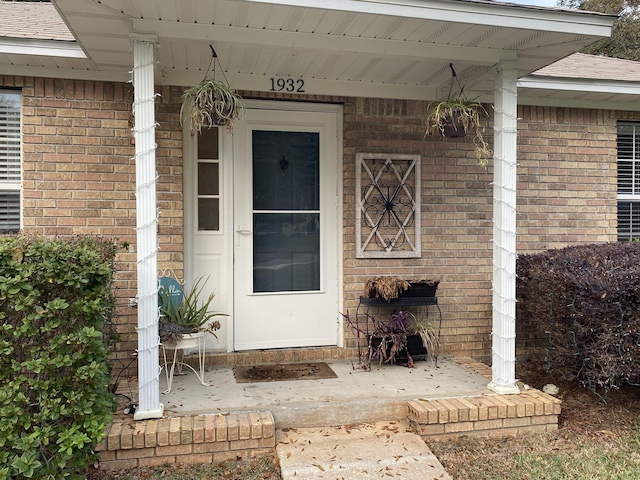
(282,372)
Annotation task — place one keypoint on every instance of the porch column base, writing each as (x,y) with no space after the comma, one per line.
(149,414)
(504,389)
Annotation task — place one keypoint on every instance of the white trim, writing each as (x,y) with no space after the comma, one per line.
(504,232)
(45,48)
(314,86)
(632,105)
(478,13)
(329,44)
(144,130)
(580,85)
(69,73)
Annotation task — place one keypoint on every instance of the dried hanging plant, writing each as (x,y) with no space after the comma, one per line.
(458,116)
(211,104)
(385,287)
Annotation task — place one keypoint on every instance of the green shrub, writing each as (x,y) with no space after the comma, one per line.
(55,300)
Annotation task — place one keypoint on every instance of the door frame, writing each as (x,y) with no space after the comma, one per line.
(226,154)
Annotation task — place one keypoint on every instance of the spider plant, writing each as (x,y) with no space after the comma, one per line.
(456,117)
(211,103)
(428,333)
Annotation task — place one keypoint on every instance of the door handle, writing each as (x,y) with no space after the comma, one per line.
(240,231)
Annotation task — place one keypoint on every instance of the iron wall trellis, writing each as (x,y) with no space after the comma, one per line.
(387,206)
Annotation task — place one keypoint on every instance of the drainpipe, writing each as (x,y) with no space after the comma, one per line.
(149,405)
(503,363)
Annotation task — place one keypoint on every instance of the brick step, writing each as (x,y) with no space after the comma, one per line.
(187,439)
(485,415)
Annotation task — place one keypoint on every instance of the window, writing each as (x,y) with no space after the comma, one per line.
(208,181)
(628,181)
(10,161)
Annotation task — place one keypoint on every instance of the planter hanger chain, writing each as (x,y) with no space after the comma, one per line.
(213,61)
(454,78)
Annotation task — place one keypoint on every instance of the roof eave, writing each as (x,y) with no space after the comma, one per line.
(472,12)
(580,85)
(45,48)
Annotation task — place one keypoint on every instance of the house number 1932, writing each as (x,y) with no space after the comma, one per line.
(287,85)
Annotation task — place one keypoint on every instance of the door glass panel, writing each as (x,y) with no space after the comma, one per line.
(286,245)
(208,144)
(286,252)
(286,170)
(208,194)
(208,180)
(208,214)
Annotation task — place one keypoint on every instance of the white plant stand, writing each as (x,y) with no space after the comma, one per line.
(189,340)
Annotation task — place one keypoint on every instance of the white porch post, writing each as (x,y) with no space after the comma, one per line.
(504,231)
(149,405)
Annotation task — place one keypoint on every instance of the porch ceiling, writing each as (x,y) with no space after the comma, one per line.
(350,47)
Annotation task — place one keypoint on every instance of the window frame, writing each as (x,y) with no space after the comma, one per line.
(631,195)
(13,182)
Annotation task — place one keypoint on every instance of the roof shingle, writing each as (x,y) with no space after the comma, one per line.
(32,20)
(594,67)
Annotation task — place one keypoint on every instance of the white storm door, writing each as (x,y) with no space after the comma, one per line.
(285,220)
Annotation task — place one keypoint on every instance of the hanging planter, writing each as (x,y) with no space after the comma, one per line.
(211,103)
(457,117)
(453,125)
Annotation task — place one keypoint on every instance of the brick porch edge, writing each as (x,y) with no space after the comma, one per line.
(488,415)
(189,439)
(485,415)
(219,437)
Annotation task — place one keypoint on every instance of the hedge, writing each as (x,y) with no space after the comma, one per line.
(55,304)
(584,302)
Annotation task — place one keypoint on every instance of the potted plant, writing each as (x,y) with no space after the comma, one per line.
(386,287)
(390,288)
(211,103)
(422,288)
(398,339)
(459,116)
(190,316)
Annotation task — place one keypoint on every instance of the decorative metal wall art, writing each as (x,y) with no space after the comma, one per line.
(387,206)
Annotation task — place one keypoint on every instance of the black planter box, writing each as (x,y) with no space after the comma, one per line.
(414,346)
(420,289)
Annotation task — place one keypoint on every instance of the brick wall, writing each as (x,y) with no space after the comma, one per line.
(79,178)
(566,177)
(456,219)
(79,173)
(567,195)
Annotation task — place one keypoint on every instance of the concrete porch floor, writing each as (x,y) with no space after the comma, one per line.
(227,420)
(355,396)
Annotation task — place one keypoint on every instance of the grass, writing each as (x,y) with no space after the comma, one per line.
(546,456)
(594,440)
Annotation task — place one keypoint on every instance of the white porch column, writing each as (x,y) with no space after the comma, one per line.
(149,405)
(504,231)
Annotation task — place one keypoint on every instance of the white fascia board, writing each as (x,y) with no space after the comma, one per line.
(72,74)
(583,103)
(480,13)
(580,85)
(313,86)
(44,48)
(325,43)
